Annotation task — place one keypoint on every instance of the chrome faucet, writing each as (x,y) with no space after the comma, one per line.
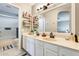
(52,35)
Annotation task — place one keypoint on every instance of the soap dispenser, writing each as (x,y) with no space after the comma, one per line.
(72,36)
(76,38)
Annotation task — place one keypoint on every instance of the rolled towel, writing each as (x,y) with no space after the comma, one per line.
(12,46)
(3,48)
(8,47)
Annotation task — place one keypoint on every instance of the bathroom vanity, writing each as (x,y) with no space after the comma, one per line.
(45,46)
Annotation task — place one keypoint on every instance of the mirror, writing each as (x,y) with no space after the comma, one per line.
(41,22)
(9,23)
(52,20)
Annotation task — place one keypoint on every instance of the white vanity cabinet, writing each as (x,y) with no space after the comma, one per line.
(68,52)
(30,46)
(38,48)
(50,50)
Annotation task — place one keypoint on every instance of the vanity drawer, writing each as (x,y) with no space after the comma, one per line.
(48,52)
(38,42)
(68,52)
(30,39)
(51,47)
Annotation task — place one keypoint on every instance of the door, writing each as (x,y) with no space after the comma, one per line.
(38,48)
(30,46)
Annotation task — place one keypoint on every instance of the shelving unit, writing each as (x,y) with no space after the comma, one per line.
(27,22)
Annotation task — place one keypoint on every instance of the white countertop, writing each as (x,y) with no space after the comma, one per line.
(57,41)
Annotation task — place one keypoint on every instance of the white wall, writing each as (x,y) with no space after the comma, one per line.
(8,22)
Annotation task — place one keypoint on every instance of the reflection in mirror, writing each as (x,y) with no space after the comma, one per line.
(63,22)
(9,23)
(41,22)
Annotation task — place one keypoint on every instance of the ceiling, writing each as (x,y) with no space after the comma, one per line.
(8,9)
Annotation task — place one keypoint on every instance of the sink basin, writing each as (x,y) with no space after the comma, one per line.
(47,38)
(50,39)
(53,39)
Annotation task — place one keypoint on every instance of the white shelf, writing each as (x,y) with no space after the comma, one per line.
(27,25)
(27,22)
(44,11)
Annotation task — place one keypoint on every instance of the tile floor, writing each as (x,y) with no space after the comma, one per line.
(7,50)
(12,52)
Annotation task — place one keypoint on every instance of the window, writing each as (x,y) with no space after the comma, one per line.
(63,22)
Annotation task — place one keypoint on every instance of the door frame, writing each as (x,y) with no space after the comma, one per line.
(19,23)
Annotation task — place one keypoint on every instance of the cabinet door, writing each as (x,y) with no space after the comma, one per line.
(38,48)
(50,49)
(48,52)
(68,52)
(30,46)
(24,43)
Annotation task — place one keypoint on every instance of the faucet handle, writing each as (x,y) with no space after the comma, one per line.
(52,35)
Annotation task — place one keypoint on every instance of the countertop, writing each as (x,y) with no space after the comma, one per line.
(57,41)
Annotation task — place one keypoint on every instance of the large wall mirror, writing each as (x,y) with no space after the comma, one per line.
(9,21)
(56,20)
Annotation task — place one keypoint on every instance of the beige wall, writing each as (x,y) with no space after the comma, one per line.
(77,18)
